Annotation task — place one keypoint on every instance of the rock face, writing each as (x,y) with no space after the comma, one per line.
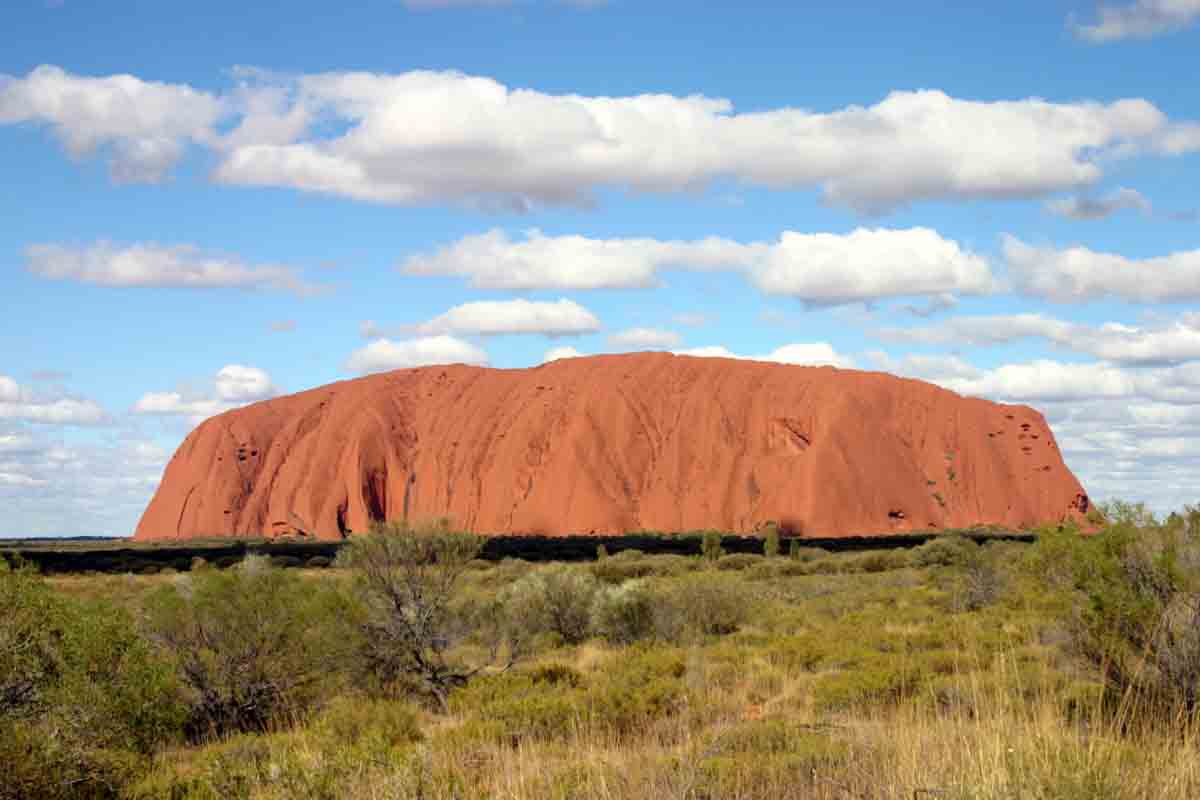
(610,444)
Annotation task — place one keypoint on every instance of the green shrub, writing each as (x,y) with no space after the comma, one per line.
(771,541)
(701,605)
(636,687)
(797,653)
(877,561)
(409,581)
(944,551)
(710,545)
(556,675)
(982,581)
(633,688)
(355,721)
(797,551)
(613,570)
(84,700)
(624,614)
(1135,599)
(253,645)
(738,561)
(556,599)
(881,682)
(520,705)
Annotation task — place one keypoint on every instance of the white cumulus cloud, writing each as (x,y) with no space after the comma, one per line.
(822,268)
(1175,342)
(489,317)
(1140,19)
(1085,207)
(146,124)
(433,137)
(19,402)
(645,339)
(234,385)
(149,264)
(382,355)
(813,354)
(1077,274)
(53,486)
(555,353)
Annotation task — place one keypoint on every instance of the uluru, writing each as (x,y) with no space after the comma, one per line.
(612,444)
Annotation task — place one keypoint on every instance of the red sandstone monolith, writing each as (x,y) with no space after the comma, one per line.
(610,444)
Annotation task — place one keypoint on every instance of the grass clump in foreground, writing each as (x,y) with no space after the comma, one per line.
(1057,670)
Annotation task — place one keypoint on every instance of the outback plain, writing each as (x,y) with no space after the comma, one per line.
(409,667)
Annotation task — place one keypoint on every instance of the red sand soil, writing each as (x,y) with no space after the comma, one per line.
(611,444)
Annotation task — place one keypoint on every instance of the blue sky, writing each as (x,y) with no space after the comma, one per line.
(208,205)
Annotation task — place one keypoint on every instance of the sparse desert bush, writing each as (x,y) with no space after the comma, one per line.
(982,581)
(83,699)
(624,614)
(797,653)
(738,561)
(615,571)
(352,743)
(879,561)
(771,541)
(1135,594)
(556,599)
(252,645)
(798,551)
(880,682)
(944,551)
(408,579)
(701,605)
(710,545)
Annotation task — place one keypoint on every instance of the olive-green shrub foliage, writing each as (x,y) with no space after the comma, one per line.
(944,551)
(683,609)
(1135,594)
(614,570)
(738,561)
(710,545)
(797,551)
(625,613)
(632,688)
(771,541)
(982,579)
(325,759)
(701,605)
(878,682)
(555,599)
(32,618)
(253,645)
(83,698)
(409,580)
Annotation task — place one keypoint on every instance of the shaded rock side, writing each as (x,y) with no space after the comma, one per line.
(610,444)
